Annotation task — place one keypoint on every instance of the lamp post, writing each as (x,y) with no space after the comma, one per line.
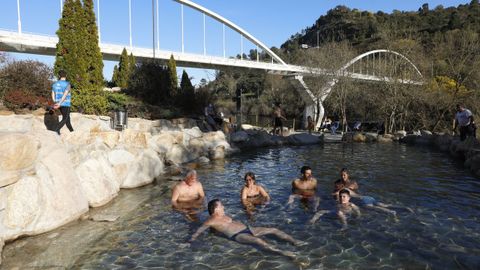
(318,39)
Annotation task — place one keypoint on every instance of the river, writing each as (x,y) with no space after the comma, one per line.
(441,233)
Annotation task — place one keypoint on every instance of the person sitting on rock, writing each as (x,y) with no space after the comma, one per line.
(252,194)
(241,233)
(188,195)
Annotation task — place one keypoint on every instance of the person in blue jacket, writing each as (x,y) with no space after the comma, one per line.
(61,95)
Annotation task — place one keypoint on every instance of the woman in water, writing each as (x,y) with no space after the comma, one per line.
(253,194)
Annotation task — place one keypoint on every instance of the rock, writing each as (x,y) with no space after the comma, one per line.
(143,170)
(371,137)
(217,152)
(103,218)
(409,139)
(425,132)
(178,154)
(425,140)
(120,159)
(203,160)
(2,243)
(48,197)
(173,170)
(97,179)
(39,112)
(384,138)
(239,137)
(16,123)
(359,137)
(303,139)
(134,138)
(5,112)
(400,133)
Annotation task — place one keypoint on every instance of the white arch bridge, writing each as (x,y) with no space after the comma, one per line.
(378,65)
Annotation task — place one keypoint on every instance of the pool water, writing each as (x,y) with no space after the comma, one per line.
(442,233)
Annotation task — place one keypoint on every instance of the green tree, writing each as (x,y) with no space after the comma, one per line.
(132,63)
(92,50)
(124,70)
(172,86)
(187,93)
(70,53)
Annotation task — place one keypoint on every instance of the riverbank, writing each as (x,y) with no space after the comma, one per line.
(467,151)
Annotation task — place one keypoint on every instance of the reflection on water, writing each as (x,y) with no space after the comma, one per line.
(443,233)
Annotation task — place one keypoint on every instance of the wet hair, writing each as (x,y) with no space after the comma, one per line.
(343,191)
(304,169)
(191,173)
(344,170)
(212,205)
(251,174)
(62,74)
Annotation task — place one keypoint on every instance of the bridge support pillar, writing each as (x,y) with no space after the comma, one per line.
(313,107)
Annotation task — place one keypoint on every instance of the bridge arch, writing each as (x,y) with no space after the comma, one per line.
(233,26)
(318,109)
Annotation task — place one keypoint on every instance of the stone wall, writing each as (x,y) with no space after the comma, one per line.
(47,180)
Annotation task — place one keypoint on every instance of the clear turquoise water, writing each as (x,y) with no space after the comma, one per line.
(443,233)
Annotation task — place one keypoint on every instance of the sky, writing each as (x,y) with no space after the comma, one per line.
(270,21)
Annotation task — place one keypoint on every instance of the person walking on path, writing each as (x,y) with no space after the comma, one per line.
(464,119)
(61,95)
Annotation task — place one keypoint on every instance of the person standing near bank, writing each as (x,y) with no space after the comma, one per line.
(464,119)
(61,95)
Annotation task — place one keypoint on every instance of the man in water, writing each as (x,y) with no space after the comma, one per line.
(237,231)
(344,208)
(188,195)
(305,187)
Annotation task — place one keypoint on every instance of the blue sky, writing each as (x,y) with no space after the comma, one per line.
(270,21)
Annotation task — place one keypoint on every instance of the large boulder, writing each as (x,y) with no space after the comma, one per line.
(97,179)
(387,138)
(217,152)
(371,137)
(16,123)
(239,137)
(18,154)
(120,159)
(144,169)
(304,139)
(2,243)
(359,137)
(47,197)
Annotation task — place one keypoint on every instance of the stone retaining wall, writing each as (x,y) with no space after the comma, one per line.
(47,180)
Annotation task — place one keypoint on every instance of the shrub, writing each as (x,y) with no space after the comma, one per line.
(88,101)
(25,84)
(117,101)
(20,99)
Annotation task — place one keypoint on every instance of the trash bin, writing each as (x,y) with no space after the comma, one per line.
(120,120)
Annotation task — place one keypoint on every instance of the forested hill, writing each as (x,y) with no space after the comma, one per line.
(365,30)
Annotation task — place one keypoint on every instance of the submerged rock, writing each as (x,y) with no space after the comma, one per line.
(104,218)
